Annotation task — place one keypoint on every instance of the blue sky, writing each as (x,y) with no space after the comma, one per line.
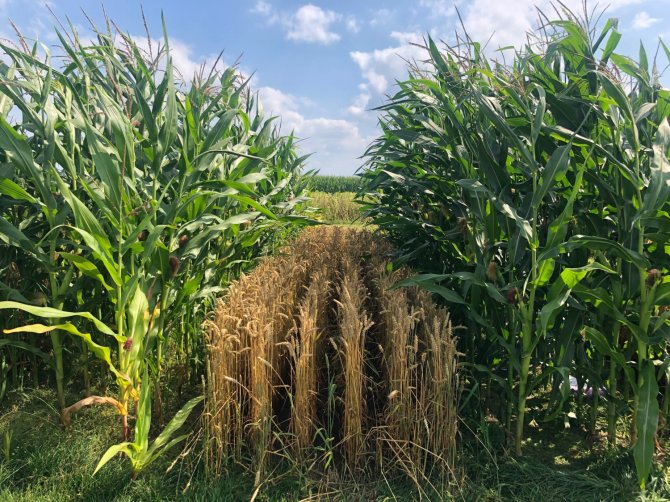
(323,65)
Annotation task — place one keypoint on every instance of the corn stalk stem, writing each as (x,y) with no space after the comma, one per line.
(528,314)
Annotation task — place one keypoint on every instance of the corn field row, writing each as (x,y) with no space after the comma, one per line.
(534,194)
(128,199)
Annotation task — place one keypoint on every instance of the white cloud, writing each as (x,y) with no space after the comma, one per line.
(336,143)
(309,23)
(439,7)
(381,67)
(313,24)
(352,24)
(505,26)
(380,16)
(643,20)
(262,8)
(359,106)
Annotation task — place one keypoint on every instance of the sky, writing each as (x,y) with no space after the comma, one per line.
(323,66)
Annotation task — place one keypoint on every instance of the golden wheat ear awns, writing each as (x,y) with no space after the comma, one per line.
(314,346)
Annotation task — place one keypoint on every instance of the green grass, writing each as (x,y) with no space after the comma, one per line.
(48,463)
(558,464)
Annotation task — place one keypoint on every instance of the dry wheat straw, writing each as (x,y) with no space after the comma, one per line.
(325,302)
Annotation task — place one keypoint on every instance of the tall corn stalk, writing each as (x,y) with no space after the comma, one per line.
(534,194)
(135,195)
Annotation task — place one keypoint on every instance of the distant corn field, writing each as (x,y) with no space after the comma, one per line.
(313,357)
(337,184)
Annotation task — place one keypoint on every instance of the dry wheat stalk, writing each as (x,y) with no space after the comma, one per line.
(269,339)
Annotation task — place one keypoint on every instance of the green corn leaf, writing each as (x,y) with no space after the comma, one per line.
(611,45)
(616,92)
(538,119)
(138,316)
(18,151)
(254,205)
(558,228)
(28,348)
(84,218)
(557,166)
(174,425)
(14,237)
(11,189)
(87,268)
(168,130)
(551,308)
(143,423)
(572,276)
(446,293)
(129,449)
(546,271)
(658,192)
(604,347)
(662,294)
(110,174)
(218,132)
(51,313)
(605,244)
(646,422)
(154,453)
(101,352)
(147,116)
(102,250)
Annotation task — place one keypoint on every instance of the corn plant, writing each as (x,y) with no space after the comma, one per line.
(535,197)
(133,197)
(139,451)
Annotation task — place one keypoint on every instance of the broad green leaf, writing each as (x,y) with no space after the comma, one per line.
(14,237)
(101,352)
(558,228)
(557,166)
(138,316)
(603,346)
(646,422)
(546,271)
(175,424)
(101,250)
(662,294)
(127,448)
(572,276)
(143,423)
(219,130)
(51,313)
(11,189)
(18,151)
(110,174)
(658,192)
(551,308)
(87,268)
(616,92)
(85,219)
(611,44)
(604,244)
